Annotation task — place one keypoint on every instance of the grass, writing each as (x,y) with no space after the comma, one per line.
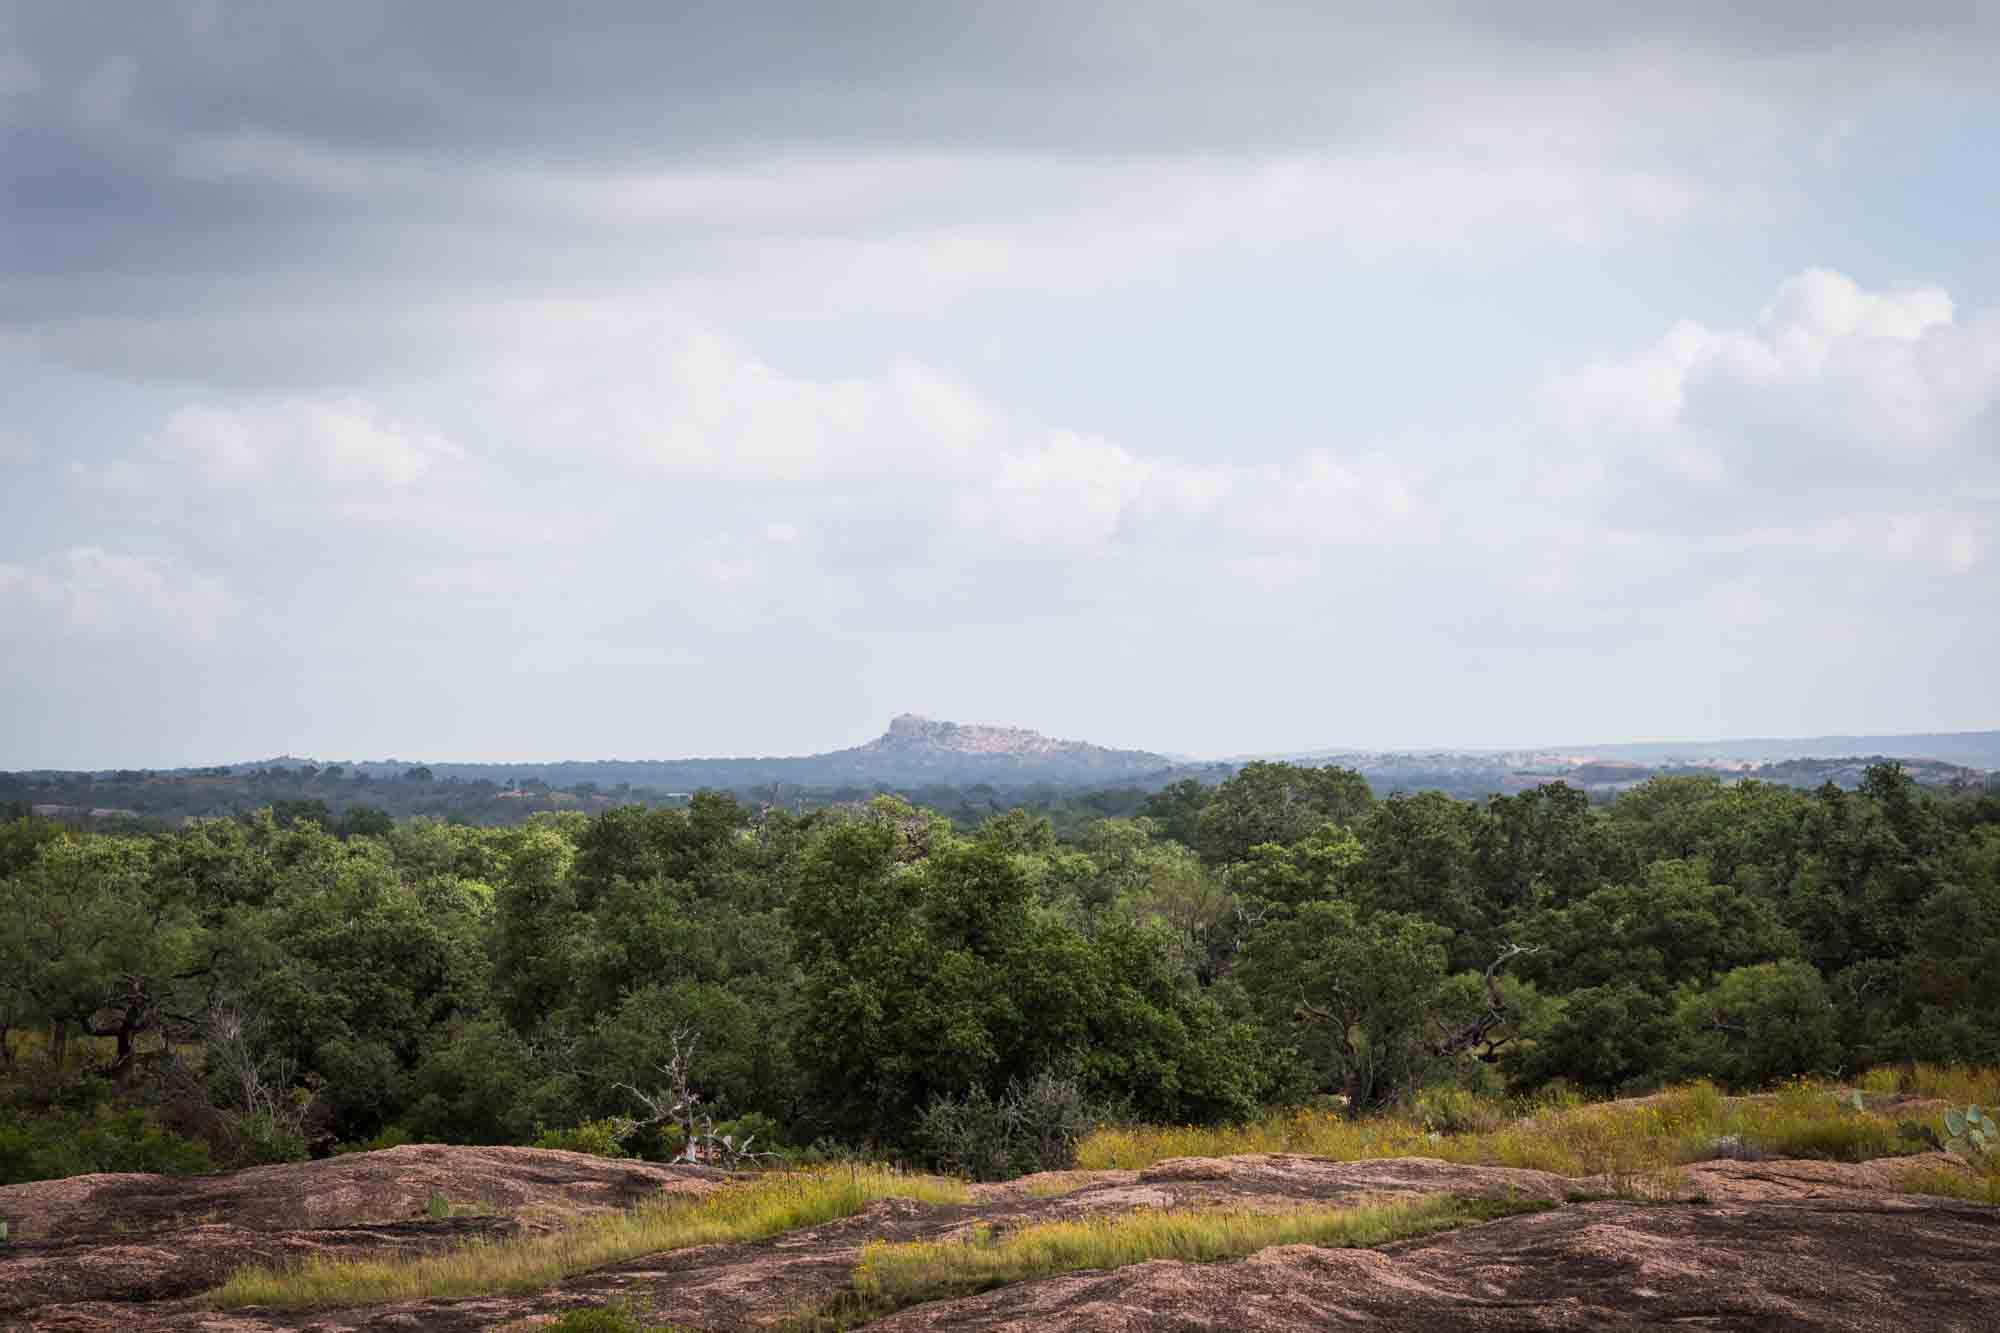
(604,1319)
(1682,1125)
(891,1277)
(595,1319)
(1982,1186)
(1958,1084)
(748,1212)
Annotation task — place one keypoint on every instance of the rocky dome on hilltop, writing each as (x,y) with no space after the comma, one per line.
(909,731)
(921,749)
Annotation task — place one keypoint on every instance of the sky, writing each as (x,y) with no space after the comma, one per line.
(504,381)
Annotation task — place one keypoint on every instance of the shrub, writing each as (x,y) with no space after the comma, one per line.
(393,1136)
(255,1140)
(599,1138)
(72,1144)
(1032,1126)
(1756,1025)
(1450,1110)
(1603,1038)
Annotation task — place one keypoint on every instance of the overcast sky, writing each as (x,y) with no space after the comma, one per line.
(527,381)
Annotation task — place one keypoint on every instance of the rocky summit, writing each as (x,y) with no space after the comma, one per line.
(931,744)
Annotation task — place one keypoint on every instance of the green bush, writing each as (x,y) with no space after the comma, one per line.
(258,1140)
(61,1144)
(1756,1025)
(1453,1110)
(1032,1126)
(393,1136)
(599,1138)
(1600,1038)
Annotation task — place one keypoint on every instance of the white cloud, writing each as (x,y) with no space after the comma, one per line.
(91,590)
(1070,491)
(1888,369)
(15,448)
(1334,501)
(1951,541)
(690,404)
(346,442)
(1843,412)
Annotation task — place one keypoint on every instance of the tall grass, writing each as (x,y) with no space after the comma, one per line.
(893,1276)
(1953,1083)
(1686,1124)
(1980,1186)
(753,1211)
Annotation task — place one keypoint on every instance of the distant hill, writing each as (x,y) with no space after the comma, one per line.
(917,749)
(918,752)
(1966,749)
(914,751)
(1970,749)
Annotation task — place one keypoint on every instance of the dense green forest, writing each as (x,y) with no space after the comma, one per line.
(297,980)
(344,800)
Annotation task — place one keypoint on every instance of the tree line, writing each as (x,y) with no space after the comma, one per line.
(263,987)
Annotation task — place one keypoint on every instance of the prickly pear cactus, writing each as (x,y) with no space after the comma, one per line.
(1971,1132)
(1911,1131)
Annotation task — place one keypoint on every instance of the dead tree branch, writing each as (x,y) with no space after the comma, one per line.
(1478,1032)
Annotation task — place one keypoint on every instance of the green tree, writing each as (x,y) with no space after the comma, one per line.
(1177,808)
(365,821)
(1357,995)
(537,927)
(1674,928)
(1756,1025)
(1277,803)
(1544,847)
(1417,858)
(1603,1038)
(94,946)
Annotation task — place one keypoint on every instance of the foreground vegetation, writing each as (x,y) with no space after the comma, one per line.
(1627,1149)
(768,1207)
(1693,1123)
(875,979)
(893,1276)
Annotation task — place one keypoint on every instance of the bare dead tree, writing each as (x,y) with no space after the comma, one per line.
(680,1105)
(1479,1032)
(260,1098)
(264,1082)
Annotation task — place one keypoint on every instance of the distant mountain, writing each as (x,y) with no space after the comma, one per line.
(918,752)
(919,749)
(914,751)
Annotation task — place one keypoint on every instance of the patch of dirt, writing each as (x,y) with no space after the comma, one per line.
(1778,1245)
